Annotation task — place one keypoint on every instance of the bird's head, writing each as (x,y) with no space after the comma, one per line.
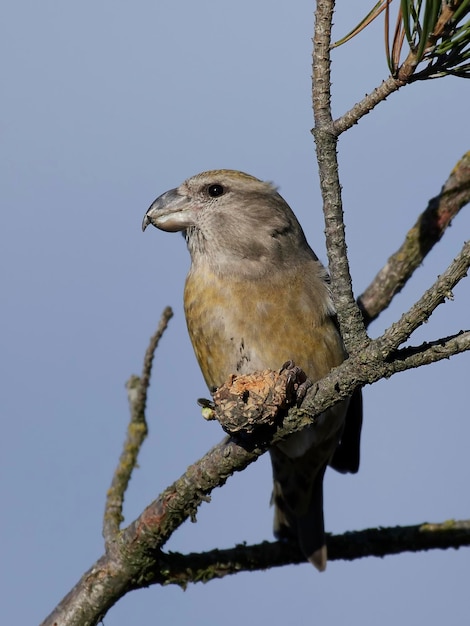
(230,217)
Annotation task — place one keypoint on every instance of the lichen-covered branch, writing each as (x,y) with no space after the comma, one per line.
(136,560)
(182,569)
(419,241)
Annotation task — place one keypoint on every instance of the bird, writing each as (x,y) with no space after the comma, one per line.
(255,297)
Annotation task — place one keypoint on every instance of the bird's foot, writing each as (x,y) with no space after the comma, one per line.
(298,382)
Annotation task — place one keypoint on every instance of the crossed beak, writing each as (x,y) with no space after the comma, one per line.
(171,212)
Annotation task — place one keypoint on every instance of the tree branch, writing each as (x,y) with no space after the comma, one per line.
(181,569)
(365,106)
(437,350)
(349,315)
(136,433)
(419,241)
(429,301)
(134,556)
(441,41)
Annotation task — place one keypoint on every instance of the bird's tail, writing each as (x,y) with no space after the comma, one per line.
(298,504)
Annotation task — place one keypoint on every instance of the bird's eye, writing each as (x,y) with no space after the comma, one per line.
(215,190)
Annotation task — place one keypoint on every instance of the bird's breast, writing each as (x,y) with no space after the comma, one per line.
(238,327)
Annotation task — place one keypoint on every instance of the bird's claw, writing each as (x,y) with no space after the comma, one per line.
(297,383)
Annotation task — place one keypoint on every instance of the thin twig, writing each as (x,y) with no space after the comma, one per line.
(141,399)
(420,312)
(136,433)
(365,106)
(405,73)
(431,352)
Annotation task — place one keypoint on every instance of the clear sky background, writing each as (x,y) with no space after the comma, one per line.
(106,105)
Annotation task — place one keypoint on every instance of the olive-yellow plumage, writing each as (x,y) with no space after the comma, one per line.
(255,297)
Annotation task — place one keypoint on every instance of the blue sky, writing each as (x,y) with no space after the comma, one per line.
(105,106)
